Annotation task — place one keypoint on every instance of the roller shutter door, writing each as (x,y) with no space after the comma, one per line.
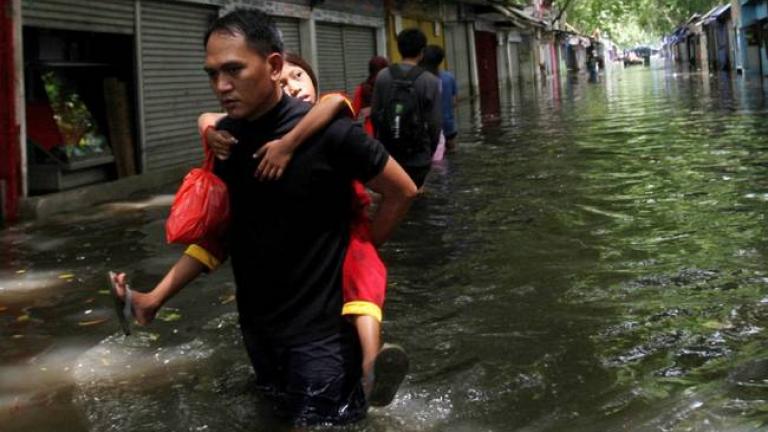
(330,58)
(343,55)
(175,88)
(289,28)
(359,47)
(458,55)
(514,61)
(114,16)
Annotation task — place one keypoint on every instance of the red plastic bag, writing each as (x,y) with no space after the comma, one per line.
(201,206)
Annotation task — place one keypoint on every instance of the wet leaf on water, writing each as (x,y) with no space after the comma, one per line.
(92,322)
(21,271)
(17,336)
(169,315)
(153,336)
(104,361)
(104,291)
(226,299)
(22,318)
(715,325)
(66,276)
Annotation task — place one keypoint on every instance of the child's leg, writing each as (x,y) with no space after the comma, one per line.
(146,305)
(369,331)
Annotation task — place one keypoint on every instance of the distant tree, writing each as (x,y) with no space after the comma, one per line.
(631,22)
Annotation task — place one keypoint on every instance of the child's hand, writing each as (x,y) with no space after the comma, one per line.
(220,142)
(275,156)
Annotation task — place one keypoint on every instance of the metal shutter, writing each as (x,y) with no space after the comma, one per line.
(289,27)
(113,16)
(330,58)
(175,88)
(359,47)
(514,60)
(458,62)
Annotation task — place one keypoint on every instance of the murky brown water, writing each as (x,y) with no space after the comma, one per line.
(593,258)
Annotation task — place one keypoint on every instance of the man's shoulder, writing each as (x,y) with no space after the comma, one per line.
(228,123)
(338,127)
(384,76)
(427,83)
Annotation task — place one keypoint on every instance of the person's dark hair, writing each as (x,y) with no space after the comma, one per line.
(295,59)
(411,42)
(433,56)
(375,65)
(258,28)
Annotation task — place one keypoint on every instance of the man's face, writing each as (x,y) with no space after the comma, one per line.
(244,81)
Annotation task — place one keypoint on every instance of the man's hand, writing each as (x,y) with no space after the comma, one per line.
(275,156)
(397,192)
(220,142)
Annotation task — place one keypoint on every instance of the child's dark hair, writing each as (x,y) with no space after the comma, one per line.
(258,28)
(295,59)
(411,42)
(433,56)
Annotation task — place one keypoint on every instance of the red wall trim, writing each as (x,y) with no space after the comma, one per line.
(9,128)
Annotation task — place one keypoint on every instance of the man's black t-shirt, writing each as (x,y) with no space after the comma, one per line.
(288,237)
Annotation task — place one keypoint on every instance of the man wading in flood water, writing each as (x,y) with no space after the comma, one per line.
(288,237)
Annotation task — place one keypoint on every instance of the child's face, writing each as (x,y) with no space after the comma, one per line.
(297,83)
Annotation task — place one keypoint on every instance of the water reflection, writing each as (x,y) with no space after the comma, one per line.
(593,258)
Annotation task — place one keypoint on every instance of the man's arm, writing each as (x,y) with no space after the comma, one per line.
(455,92)
(397,192)
(435,115)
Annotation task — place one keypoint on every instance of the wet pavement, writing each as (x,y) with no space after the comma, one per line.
(592,258)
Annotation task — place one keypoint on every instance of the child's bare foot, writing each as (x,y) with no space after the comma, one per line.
(143,306)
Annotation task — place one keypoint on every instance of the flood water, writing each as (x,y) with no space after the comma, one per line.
(592,258)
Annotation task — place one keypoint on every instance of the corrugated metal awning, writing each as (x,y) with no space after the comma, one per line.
(519,18)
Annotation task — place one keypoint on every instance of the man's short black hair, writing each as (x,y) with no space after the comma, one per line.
(433,56)
(258,28)
(411,42)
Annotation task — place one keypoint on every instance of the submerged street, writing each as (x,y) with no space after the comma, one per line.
(592,258)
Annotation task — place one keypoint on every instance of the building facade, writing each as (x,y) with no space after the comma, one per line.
(103,90)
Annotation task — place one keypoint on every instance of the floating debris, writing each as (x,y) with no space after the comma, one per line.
(226,299)
(169,315)
(92,322)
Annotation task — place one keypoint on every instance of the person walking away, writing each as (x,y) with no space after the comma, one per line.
(405,108)
(433,57)
(361,102)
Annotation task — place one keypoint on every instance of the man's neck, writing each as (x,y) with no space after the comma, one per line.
(410,61)
(267,107)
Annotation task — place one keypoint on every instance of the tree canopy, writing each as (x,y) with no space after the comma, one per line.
(632,22)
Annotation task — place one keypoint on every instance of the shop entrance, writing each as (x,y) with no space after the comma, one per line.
(80,108)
